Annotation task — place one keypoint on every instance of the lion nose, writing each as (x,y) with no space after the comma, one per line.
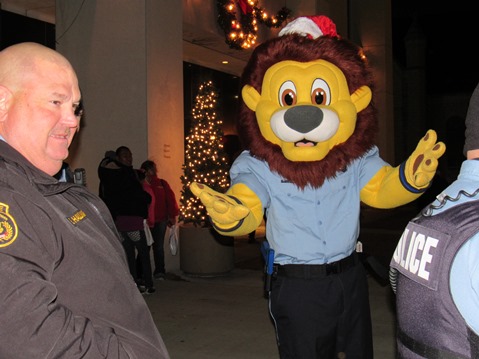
(303,118)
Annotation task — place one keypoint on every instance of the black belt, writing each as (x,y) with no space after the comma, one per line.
(308,271)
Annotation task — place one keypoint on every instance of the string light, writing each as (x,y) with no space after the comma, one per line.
(241,27)
(205,158)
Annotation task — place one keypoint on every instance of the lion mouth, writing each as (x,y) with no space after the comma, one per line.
(305,143)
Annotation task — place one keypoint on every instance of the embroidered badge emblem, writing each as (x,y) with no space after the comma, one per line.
(77,217)
(8,227)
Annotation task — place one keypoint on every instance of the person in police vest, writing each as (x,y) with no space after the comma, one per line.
(435,267)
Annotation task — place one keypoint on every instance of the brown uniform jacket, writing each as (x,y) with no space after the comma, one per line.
(65,287)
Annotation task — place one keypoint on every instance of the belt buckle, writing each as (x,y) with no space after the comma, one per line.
(274,274)
(333,268)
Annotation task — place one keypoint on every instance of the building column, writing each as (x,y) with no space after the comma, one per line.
(128,56)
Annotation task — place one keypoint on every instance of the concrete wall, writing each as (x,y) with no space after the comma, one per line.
(128,57)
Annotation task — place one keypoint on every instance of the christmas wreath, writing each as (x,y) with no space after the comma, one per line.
(240,27)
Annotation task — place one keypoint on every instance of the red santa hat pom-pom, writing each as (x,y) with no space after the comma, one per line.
(310,26)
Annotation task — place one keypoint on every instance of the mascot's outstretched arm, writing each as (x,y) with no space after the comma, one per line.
(394,186)
(236,213)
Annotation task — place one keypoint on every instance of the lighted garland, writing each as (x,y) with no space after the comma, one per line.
(240,25)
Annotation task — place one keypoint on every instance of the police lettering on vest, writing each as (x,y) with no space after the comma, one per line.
(418,254)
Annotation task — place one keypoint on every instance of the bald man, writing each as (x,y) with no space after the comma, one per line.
(65,287)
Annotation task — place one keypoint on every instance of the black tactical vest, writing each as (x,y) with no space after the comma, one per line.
(429,324)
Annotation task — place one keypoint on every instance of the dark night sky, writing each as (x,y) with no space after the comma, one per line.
(452,33)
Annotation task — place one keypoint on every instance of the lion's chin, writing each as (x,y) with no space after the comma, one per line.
(305,152)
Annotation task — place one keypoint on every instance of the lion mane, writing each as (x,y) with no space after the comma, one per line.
(347,57)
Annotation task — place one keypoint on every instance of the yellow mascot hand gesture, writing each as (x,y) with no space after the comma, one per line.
(394,186)
(421,166)
(236,213)
(223,209)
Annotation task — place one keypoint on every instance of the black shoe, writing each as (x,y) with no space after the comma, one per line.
(141,288)
(150,290)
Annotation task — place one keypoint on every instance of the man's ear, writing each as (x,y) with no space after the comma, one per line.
(5,97)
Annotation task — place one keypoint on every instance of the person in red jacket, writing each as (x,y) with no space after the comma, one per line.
(166,210)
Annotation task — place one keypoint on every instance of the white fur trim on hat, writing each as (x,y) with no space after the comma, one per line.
(302,26)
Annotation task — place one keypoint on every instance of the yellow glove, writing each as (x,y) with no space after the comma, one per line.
(394,186)
(234,213)
(421,166)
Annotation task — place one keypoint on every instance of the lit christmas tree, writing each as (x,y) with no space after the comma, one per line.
(205,159)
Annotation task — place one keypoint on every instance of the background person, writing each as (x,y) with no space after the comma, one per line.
(128,203)
(437,260)
(65,284)
(109,157)
(150,220)
(166,210)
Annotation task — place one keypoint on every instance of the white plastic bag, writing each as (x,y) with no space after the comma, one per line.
(173,238)
(149,237)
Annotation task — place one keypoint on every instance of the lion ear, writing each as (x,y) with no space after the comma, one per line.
(251,97)
(361,98)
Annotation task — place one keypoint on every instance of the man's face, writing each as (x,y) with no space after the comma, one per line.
(41,119)
(153,170)
(125,157)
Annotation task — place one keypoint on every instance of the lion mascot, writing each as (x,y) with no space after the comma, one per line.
(308,125)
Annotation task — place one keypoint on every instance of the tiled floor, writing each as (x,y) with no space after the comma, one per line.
(227,316)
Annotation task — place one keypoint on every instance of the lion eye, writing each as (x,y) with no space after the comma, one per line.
(320,93)
(287,94)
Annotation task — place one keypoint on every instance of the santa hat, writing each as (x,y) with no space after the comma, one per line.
(310,26)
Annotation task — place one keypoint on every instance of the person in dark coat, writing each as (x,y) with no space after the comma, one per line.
(66,290)
(128,203)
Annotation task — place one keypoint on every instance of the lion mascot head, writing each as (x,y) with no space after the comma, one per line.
(307,102)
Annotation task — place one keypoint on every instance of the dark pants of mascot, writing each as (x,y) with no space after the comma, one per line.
(323,318)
